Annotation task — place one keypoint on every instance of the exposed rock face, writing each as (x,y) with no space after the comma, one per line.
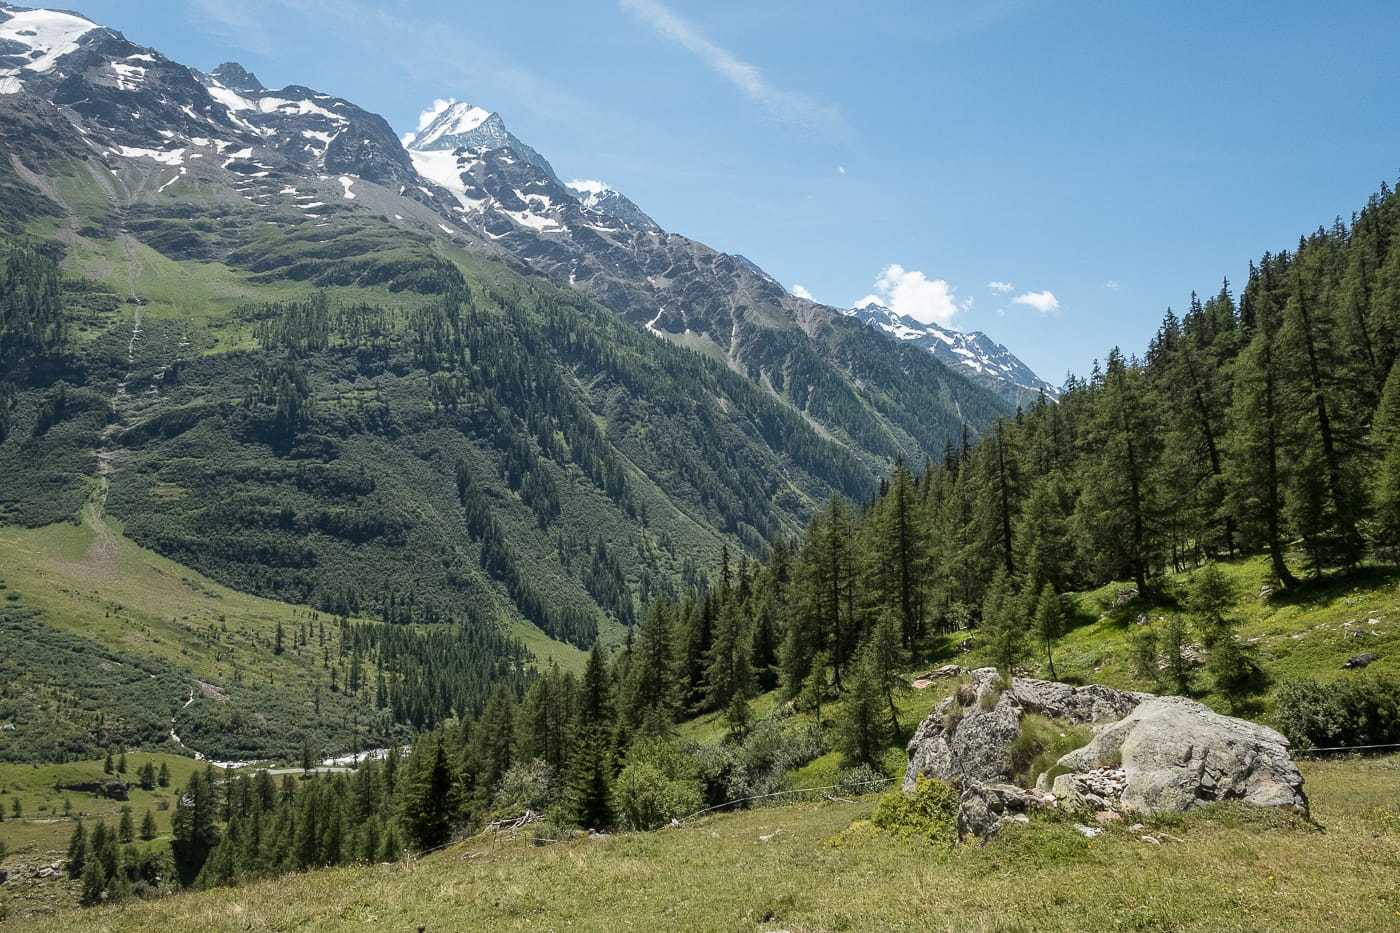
(1148,754)
(984,807)
(968,736)
(1176,754)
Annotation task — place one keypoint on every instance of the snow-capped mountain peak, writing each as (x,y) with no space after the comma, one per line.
(457,119)
(975,354)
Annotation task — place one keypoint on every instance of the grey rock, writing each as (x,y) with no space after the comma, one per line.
(1177,754)
(1075,705)
(1360,660)
(968,736)
(984,808)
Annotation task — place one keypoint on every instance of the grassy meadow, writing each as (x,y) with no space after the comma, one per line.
(1222,870)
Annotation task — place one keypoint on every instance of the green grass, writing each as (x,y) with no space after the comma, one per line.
(1225,869)
(1307,631)
(45,827)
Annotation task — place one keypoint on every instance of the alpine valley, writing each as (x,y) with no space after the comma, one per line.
(391,532)
(429,386)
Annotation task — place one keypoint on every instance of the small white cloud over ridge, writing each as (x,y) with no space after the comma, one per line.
(1044,302)
(909,291)
(426,117)
(801,292)
(589,185)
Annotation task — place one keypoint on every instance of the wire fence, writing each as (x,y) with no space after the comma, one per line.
(1344,748)
(719,807)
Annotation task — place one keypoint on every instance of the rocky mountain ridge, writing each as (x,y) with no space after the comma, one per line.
(989,364)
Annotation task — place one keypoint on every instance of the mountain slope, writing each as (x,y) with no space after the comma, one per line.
(242,326)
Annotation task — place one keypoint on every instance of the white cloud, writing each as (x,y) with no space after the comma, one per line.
(841,169)
(431,114)
(1002,287)
(426,117)
(1112,285)
(908,291)
(785,106)
(590,185)
(801,292)
(1044,302)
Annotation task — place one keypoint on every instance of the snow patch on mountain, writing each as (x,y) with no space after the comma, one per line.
(48,34)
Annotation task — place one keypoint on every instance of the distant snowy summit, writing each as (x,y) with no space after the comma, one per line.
(975,354)
(448,151)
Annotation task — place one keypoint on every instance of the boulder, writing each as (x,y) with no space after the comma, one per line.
(1148,753)
(968,736)
(1360,660)
(1176,754)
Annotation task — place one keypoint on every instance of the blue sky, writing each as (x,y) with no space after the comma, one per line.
(1053,172)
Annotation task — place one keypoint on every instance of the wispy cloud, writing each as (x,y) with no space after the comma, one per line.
(909,291)
(785,106)
(1112,285)
(235,22)
(1044,302)
(1001,287)
(801,292)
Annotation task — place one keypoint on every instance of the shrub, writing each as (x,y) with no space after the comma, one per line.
(1354,711)
(930,812)
(660,783)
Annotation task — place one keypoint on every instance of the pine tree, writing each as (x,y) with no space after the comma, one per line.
(1383,483)
(1258,424)
(729,673)
(430,796)
(164,778)
(126,829)
(148,826)
(1003,625)
(77,851)
(862,730)
(592,770)
(1048,624)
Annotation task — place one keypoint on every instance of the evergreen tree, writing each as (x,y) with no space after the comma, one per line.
(126,829)
(148,826)
(862,731)
(729,673)
(1383,483)
(1003,625)
(77,851)
(430,797)
(1259,423)
(1173,642)
(591,773)
(1048,624)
